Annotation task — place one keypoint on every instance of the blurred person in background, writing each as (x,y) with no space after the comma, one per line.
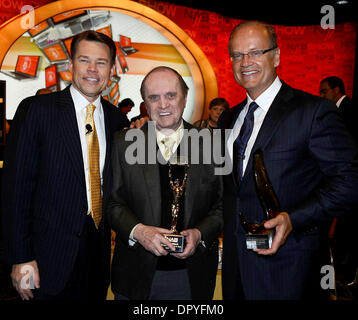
(216,107)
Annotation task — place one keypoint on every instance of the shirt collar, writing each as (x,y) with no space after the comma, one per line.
(266,98)
(338,103)
(176,135)
(81,102)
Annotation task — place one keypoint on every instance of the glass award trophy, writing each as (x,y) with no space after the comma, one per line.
(257,236)
(178,188)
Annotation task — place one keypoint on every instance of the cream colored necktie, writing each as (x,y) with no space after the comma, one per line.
(168,147)
(93,163)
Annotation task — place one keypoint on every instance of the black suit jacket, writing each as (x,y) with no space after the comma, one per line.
(44,189)
(346,251)
(349,111)
(136,197)
(312,164)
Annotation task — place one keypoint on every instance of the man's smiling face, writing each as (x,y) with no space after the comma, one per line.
(91,68)
(254,74)
(165,99)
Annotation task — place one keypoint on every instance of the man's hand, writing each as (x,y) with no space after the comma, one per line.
(23,276)
(192,238)
(151,238)
(283,227)
(139,123)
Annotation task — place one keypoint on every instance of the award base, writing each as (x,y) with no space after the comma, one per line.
(177,240)
(259,241)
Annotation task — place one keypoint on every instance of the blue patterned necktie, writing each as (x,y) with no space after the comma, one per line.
(242,140)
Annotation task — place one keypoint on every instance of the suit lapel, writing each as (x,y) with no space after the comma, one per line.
(107,127)
(236,111)
(152,179)
(194,172)
(68,129)
(276,113)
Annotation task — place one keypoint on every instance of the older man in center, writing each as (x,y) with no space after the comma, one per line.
(140,209)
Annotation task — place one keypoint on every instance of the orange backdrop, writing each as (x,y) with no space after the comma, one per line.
(308,53)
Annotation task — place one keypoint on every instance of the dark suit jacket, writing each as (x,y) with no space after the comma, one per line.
(312,164)
(44,188)
(136,197)
(349,111)
(346,249)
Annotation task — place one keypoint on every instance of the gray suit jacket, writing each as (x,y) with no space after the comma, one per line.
(136,197)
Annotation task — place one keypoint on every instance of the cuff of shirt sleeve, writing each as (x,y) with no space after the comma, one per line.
(131,240)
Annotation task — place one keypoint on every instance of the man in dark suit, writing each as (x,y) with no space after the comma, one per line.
(344,249)
(332,88)
(142,113)
(126,106)
(52,221)
(311,162)
(140,209)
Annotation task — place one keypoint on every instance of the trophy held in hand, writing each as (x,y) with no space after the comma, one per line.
(257,236)
(178,188)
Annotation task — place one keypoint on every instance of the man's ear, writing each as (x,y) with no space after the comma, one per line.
(70,66)
(112,71)
(276,57)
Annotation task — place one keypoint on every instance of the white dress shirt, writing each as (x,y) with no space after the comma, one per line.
(175,136)
(81,103)
(264,102)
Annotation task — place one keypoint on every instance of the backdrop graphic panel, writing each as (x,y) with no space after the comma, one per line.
(308,53)
(140,49)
